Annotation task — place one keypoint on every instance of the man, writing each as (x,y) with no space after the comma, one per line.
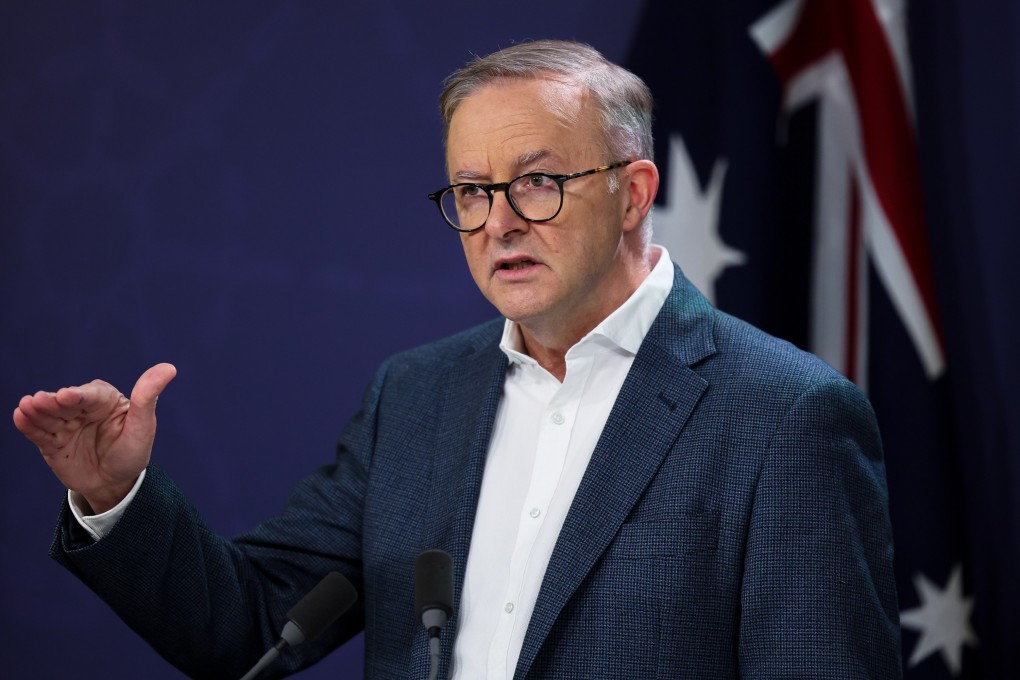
(632,484)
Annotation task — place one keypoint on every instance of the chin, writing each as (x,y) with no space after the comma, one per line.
(520,310)
(507,305)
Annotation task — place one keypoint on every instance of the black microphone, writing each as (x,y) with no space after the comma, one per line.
(313,614)
(433,597)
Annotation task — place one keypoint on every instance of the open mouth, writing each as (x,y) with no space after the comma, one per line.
(512,266)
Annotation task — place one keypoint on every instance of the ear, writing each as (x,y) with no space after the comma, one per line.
(640,182)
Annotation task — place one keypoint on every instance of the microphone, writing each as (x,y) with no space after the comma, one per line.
(313,614)
(433,597)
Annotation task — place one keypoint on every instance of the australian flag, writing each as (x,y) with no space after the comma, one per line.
(845,174)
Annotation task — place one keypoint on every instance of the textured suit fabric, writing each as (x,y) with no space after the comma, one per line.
(732,523)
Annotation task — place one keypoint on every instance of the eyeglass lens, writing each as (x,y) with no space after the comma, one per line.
(537,197)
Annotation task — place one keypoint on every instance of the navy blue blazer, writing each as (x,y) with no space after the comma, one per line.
(733,522)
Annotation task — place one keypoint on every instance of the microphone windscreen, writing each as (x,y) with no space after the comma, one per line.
(323,605)
(433,582)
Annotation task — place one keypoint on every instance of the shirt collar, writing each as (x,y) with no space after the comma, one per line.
(624,328)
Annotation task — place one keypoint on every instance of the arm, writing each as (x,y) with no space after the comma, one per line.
(208,605)
(212,606)
(818,597)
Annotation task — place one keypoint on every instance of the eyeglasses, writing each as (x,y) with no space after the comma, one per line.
(535,197)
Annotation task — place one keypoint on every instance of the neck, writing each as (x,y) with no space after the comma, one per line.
(552,358)
(548,343)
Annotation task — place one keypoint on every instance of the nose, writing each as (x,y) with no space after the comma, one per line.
(503,221)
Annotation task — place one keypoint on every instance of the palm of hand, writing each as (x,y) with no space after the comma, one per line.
(94,439)
(98,449)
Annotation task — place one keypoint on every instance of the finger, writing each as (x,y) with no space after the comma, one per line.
(150,385)
(71,407)
(27,426)
(96,396)
(49,435)
(39,411)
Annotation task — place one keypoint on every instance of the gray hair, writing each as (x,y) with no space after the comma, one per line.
(622,100)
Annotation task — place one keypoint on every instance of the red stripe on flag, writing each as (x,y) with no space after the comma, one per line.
(890,149)
(853,282)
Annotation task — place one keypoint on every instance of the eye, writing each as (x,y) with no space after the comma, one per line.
(469,191)
(535,183)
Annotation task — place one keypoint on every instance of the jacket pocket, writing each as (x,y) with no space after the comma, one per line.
(684,534)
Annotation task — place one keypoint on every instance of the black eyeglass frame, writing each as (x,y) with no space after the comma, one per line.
(437,196)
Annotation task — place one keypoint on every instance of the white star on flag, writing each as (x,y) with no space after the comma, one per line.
(688,225)
(943,620)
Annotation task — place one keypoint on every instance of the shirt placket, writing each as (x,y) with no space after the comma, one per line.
(552,448)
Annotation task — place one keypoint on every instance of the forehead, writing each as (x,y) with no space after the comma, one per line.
(505,125)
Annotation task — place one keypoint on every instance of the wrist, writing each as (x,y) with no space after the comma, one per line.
(98,525)
(104,500)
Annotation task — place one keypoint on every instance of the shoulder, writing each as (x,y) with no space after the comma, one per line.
(801,391)
(777,361)
(484,337)
(429,362)
(772,379)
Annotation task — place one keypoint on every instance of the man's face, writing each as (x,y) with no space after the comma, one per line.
(563,276)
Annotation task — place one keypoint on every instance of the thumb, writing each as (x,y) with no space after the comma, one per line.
(147,390)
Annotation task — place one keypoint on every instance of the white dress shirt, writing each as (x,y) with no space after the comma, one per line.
(542,439)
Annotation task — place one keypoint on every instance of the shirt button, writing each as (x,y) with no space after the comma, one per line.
(509,607)
(535,512)
(558,418)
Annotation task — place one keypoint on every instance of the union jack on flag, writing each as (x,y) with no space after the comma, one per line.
(790,135)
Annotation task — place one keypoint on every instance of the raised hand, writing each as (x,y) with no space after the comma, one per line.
(94,439)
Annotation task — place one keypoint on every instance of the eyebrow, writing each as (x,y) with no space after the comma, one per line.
(531,157)
(468,176)
(524,160)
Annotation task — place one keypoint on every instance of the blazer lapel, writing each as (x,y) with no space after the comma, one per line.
(474,385)
(657,397)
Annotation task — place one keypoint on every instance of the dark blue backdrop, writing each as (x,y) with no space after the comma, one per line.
(239,189)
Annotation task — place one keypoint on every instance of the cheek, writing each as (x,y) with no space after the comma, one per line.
(474,253)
